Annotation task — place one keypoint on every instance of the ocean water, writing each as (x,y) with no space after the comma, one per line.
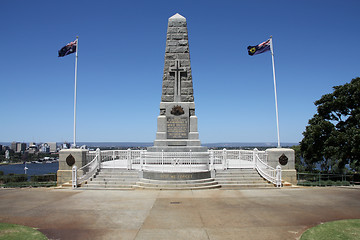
(33,168)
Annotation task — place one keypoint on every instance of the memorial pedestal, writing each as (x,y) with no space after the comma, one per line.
(177,129)
(67,159)
(285,157)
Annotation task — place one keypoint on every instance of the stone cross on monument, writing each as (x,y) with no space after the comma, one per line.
(177,87)
(177,123)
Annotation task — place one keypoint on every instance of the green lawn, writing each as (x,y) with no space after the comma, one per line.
(18,232)
(337,230)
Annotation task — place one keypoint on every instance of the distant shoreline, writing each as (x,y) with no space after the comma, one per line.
(149,144)
(12,163)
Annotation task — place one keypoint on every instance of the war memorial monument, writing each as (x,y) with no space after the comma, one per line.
(177,160)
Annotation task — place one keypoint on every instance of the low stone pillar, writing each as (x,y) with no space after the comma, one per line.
(67,159)
(285,158)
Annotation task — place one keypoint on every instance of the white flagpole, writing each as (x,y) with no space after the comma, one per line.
(276,103)
(76,58)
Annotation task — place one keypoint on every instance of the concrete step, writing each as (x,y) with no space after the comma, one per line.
(118,170)
(177,184)
(235,170)
(93,185)
(100,177)
(241,186)
(179,188)
(116,179)
(66,185)
(173,185)
(105,188)
(152,181)
(113,182)
(113,178)
(241,182)
(117,174)
(236,173)
(238,177)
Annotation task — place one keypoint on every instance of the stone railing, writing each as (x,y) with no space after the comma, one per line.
(213,159)
(267,172)
(80,175)
(176,162)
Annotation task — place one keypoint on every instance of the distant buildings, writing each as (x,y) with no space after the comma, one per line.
(4,148)
(65,145)
(13,146)
(52,146)
(32,148)
(49,147)
(44,148)
(20,147)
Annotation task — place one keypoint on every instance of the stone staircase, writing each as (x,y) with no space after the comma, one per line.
(113,178)
(240,178)
(122,179)
(199,184)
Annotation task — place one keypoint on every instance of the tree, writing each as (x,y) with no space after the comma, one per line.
(332,138)
(300,166)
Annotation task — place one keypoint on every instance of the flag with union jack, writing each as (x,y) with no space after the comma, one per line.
(68,49)
(262,47)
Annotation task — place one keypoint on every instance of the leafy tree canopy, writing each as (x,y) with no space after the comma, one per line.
(332,138)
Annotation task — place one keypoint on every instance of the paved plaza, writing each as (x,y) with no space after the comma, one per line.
(202,214)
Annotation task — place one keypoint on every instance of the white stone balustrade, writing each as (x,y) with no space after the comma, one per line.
(143,160)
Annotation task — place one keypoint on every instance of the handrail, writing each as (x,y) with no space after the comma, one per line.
(181,161)
(269,173)
(87,171)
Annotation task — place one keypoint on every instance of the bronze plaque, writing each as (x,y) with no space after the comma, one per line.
(70,160)
(177,128)
(283,159)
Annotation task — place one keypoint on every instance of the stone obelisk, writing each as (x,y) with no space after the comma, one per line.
(177,123)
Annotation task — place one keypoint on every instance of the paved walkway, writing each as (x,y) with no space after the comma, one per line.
(202,214)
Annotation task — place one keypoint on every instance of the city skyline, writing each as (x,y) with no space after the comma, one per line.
(121,61)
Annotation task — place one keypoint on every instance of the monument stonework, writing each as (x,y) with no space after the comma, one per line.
(177,123)
(177,157)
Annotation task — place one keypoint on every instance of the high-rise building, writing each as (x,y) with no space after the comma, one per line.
(52,146)
(20,147)
(44,148)
(13,146)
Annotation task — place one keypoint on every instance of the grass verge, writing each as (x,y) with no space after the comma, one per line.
(337,230)
(17,232)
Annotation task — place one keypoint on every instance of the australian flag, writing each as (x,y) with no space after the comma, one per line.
(68,49)
(262,47)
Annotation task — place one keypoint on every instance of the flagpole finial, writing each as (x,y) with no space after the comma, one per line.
(77,37)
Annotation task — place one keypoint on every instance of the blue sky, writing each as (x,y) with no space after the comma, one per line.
(121,57)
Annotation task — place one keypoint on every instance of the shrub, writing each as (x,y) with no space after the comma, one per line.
(43,178)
